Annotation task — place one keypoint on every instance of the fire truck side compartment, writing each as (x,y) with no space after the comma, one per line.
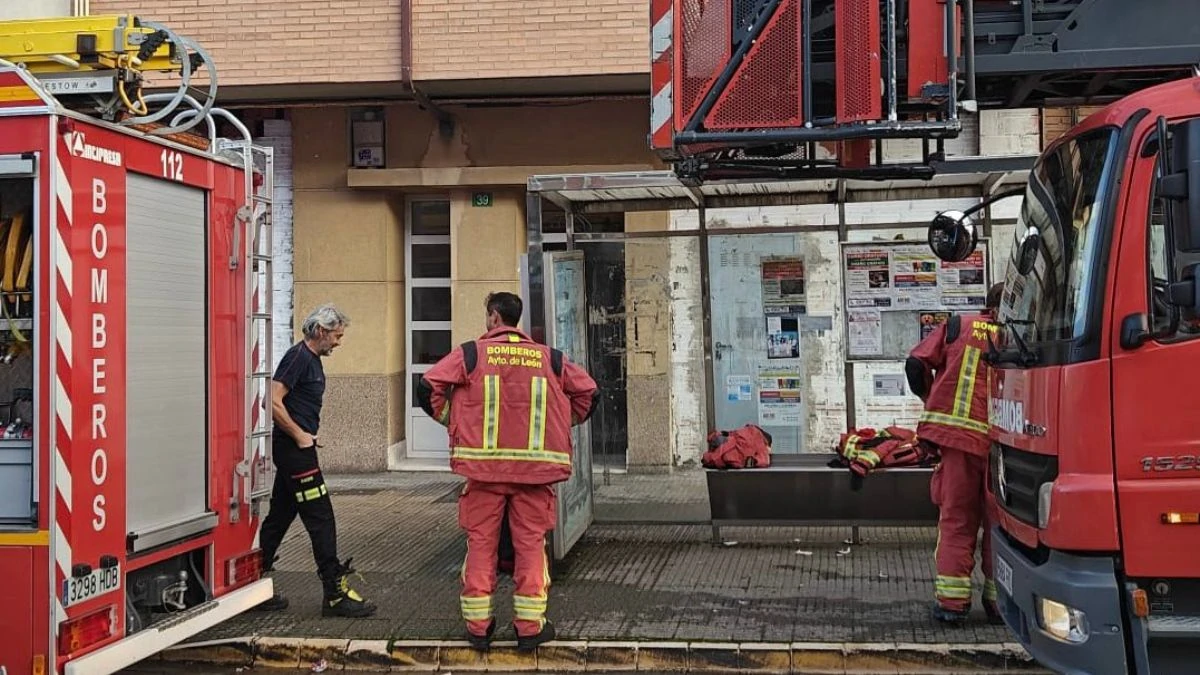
(18,472)
(167,383)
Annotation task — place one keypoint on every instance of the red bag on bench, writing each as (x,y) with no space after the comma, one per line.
(745,448)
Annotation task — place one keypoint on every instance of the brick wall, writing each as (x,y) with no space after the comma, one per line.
(283,41)
(534,38)
(316,41)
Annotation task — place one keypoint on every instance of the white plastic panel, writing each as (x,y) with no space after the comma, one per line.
(167,331)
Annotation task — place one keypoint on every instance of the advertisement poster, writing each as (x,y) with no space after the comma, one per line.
(889,384)
(914,277)
(779,398)
(929,321)
(868,278)
(865,332)
(964,284)
(783,289)
(739,387)
(783,337)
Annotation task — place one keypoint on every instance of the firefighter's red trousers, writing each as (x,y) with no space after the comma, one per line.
(531,514)
(958,488)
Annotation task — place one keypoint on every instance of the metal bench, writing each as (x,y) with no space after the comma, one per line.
(802,490)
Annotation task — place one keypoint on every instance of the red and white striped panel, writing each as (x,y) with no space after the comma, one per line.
(662,107)
(62,429)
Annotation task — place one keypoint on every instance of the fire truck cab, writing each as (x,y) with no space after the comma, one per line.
(134,350)
(1094,471)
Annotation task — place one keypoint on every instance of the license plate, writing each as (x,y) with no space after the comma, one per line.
(100,581)
(1004,575)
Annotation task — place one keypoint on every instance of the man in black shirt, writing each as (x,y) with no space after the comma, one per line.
(297,393)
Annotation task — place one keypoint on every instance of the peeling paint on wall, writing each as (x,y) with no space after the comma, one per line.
(277,134)
(688,395)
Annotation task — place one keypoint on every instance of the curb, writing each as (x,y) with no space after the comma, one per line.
(611,656)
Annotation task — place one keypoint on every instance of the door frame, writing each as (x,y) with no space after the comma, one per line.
(410,368)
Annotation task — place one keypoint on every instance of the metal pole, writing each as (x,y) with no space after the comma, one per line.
(806,57)
(952,57)
(536,316)
(710,401)
(969,46)
(569,218)
(892,94)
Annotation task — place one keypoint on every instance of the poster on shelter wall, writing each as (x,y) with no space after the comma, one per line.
(868,278)
(783,337)
(779,397)
(783,286)
(914,277)
(964,284)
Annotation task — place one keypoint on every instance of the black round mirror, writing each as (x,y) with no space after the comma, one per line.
(1027,254)
(953,236)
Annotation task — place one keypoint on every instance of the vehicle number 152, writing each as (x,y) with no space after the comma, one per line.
(1170,463)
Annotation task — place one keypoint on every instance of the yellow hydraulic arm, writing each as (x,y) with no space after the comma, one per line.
(97,43)
(63,52)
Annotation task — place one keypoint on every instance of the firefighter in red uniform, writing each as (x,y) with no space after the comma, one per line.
(948,371)
(509,404)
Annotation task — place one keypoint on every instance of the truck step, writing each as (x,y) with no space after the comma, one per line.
(1174,627)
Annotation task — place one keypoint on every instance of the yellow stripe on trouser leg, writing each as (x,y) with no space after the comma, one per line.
(989,590)
(953,588)
(533,607)
(476,608)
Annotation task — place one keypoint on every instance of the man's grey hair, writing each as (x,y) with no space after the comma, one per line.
(326,316)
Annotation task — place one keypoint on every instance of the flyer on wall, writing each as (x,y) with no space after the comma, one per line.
(963,284)
(783,289)
(783,337)
(914,277)
(779,397)
(868,278)
(865,332)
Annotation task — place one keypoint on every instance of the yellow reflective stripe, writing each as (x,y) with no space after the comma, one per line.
(527,608)
(445,416)
(989,590)
(312,493)
(953,588)
(537,413)
(513,337)
(868,457)
(511,454)
(491,411)
(964,391)
(952,421)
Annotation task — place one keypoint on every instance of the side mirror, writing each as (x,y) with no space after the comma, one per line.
(953,236)
(1186,293)
(1183,185)
(1030,246)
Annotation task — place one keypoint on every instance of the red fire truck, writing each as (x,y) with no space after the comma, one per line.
(135,452)
(1094,470)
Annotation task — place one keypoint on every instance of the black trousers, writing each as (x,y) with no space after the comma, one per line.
(300,491)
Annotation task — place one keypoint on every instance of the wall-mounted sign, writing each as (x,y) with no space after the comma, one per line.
(481,199)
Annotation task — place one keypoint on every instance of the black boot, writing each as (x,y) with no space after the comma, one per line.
(992,610)
(528,644)
(948,616)
(482,642)
(341,600)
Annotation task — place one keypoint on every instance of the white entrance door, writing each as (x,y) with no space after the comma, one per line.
(427,290)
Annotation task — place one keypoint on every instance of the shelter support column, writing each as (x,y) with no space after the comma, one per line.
(648,328)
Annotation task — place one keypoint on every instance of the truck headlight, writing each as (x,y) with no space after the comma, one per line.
(1061,621)
(1044,493)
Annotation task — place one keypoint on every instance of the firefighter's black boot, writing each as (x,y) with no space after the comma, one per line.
(276,602)
(341,600)
(482,642)
(528,644)
(993,613)
(948,616)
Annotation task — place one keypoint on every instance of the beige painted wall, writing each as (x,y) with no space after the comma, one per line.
(349,250)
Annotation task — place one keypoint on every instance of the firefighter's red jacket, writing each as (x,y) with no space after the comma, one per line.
(509,404)
(956,409)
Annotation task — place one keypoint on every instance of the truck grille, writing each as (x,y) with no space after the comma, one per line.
(1023,474)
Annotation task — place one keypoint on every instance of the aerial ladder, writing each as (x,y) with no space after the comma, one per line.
(98,66)
(786,89)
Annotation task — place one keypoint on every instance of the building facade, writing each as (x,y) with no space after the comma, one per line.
(405,132)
